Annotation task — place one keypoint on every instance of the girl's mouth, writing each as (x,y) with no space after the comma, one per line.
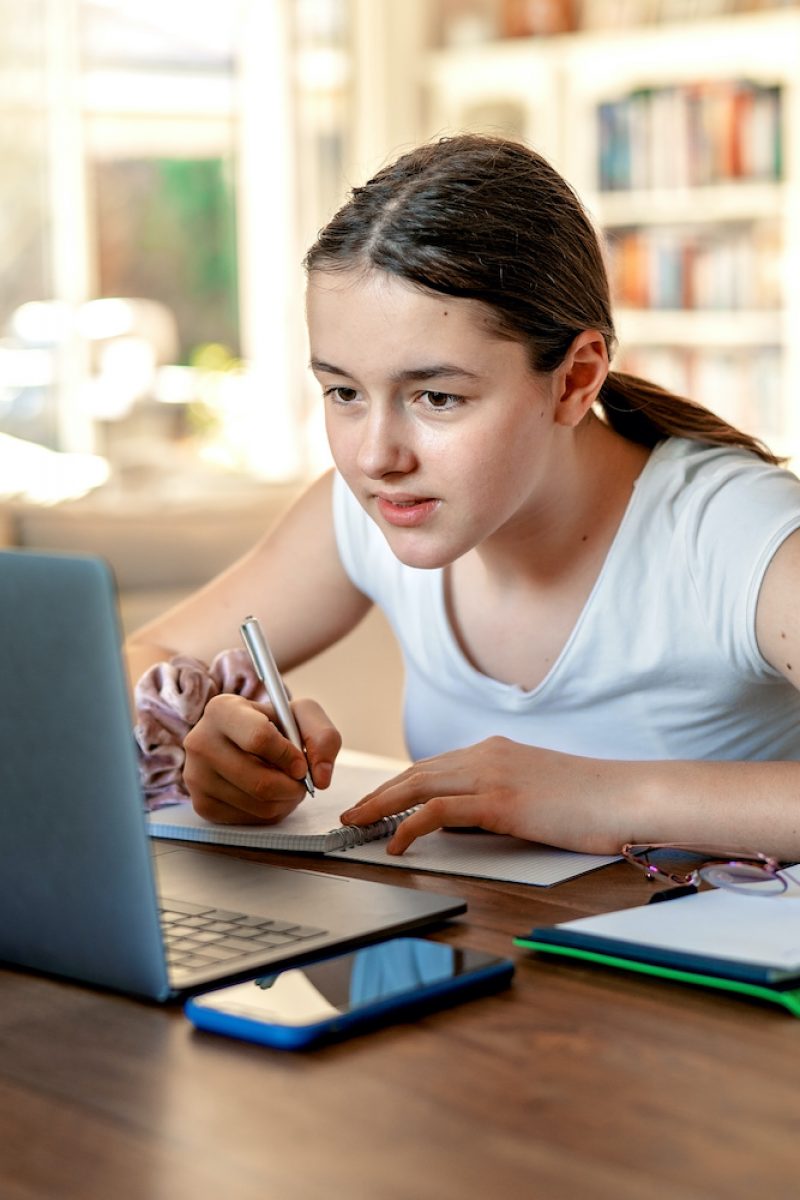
(406,511)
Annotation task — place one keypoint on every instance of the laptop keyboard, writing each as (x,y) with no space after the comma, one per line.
(196,937)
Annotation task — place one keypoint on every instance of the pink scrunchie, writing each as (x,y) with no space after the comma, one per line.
(170,700)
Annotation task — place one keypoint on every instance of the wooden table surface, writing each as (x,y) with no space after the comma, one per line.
(576,1082)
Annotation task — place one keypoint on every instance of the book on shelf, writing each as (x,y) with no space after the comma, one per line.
(720,266)
(314,828)
(690,135)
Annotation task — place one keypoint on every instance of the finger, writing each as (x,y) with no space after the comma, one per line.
(243,775)
(219,812)
(217,767)
(321,739)
(250,727)
(417,785)
(263,801)
(440,811)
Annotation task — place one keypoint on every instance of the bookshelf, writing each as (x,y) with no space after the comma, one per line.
(684,143)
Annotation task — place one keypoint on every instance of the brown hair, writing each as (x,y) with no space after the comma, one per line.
(489,219)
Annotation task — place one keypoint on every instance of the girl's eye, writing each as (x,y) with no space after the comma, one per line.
(441,401)
(343,394)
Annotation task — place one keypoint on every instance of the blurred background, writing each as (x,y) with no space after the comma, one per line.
(166,163)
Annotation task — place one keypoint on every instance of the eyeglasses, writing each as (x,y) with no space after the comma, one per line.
(746,871)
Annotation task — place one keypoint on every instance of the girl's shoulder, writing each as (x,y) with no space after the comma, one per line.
(689,473)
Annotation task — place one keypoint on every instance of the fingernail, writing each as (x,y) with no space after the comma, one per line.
(322,773)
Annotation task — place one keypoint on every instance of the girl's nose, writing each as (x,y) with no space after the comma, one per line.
(385,446)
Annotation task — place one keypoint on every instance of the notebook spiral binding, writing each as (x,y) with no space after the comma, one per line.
(358,835)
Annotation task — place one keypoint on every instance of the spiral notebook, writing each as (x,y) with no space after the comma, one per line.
(314,828)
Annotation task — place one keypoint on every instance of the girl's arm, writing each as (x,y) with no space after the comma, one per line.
(595,805)
(238,766)
(292,580)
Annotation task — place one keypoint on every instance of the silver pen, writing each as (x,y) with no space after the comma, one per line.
(261,657)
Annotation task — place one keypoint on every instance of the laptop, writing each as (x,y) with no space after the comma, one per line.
(82,887)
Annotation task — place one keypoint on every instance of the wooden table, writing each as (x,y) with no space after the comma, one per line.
(577,1082)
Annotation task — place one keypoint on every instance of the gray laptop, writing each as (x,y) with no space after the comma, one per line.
(84,893)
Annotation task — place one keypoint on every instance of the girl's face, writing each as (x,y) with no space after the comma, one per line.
(438,426)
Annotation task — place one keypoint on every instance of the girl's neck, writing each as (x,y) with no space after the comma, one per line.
(513,602)
(574,516)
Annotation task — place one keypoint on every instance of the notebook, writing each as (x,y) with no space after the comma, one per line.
(717,938)
(79,878)
(314,828)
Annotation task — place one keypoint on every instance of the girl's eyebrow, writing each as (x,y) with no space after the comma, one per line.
(409,375)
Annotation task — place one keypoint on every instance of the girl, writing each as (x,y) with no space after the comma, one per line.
(593,582)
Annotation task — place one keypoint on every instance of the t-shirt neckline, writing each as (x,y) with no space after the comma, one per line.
(513,691)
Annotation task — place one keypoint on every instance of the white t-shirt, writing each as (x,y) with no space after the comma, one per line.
(663,661)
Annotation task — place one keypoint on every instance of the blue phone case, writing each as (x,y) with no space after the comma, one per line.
(484,978)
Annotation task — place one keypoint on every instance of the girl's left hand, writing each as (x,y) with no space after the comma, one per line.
(504,787)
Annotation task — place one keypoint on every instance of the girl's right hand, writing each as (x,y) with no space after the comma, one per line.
(239,767)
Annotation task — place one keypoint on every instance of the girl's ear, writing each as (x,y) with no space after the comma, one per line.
(580,377)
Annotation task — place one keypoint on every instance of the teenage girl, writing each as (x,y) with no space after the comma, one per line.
(594,583)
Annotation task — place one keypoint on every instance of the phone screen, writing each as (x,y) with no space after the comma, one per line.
(343,985)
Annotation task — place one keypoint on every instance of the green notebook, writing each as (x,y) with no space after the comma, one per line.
(742,944)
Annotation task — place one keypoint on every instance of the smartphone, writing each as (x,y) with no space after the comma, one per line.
(341,996)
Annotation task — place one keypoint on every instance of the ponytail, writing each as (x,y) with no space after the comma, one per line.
(645,413)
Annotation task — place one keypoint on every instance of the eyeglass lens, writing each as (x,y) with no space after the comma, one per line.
(742,877)
(755,879)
